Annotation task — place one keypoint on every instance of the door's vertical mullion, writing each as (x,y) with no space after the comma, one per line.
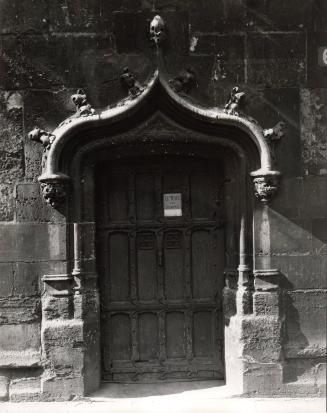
(189,334)
(162,335)
(158,195)
(186,200)
(160,266)
(187,263)
(132,267)
(214,257)
(134,336)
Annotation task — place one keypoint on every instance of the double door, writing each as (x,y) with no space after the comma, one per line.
(160,261)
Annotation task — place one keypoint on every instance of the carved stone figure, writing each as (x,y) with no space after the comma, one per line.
(130,83)
(83,107)
(235,102)
(54,193)
(265,187)
(273,136)
(42,136)
(184,82)
(157,30)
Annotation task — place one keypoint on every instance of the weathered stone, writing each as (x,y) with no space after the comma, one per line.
(54,307)
(40,241)
(8,249)
(271,63)
(11,149)
(7,279)
(274,16)
(305,321)
(26,281)
(20,337)
(74,16)
(23,16)
(62,388)
(314,190)
(21,360)
(317,39)
(320,376)
(229,56)
(313,121)
(263,379)
(265,345)
(25,389)
(289,237)
(301,271)
(266,303)
(217,15)
(30,207)
(4,385)
(18,310)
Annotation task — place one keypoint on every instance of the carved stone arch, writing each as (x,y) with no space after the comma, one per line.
(71,154)
(157,95)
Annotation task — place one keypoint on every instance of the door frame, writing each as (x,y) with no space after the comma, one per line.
(67,184)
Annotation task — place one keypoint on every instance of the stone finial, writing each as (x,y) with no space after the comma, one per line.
(130,83)
(157,30)
(83,107)
(184,82)
(265,187)
(235,101)
(273,136)
(42,136)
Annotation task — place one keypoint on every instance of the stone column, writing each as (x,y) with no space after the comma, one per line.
(262,332)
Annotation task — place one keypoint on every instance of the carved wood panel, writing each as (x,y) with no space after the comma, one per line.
(161,277)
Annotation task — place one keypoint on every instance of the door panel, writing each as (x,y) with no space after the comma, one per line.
(146,266)
(175,335)
(145,196)
(148,337)
(161,277)
(118,254)
(203,270)
(174,265)
(120,342)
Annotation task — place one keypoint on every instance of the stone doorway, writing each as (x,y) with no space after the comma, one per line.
(160,259)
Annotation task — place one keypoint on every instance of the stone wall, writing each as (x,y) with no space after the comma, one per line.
(268,48)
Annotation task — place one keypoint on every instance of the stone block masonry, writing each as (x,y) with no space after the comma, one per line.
(277,344)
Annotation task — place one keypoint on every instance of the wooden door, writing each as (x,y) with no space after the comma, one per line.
(160,261)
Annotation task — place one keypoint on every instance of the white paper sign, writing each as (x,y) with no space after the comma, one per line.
(322,56)
(172,205)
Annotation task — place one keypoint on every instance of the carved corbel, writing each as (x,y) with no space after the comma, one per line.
(157,30)
(130,83)
(42,136)
(273,136)
(235,102)
(184,82)
(54,190)
(265,185)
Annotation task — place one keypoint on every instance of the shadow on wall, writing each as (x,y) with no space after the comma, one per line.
(298,249)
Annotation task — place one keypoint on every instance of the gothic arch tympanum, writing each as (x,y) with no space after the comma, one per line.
(155,123)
